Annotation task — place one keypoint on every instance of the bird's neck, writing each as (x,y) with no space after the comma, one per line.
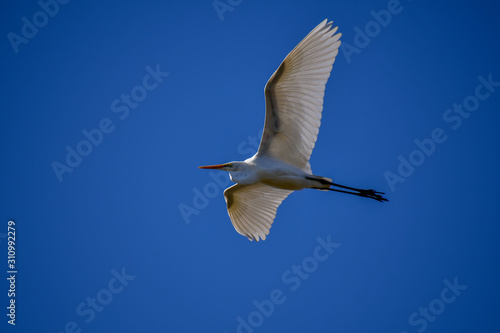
(245,176)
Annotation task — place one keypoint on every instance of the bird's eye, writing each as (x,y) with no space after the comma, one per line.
(229,165)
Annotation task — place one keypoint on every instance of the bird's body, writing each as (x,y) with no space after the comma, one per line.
(272,172)
(294,102)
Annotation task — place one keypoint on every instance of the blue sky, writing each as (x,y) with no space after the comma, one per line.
(109,108)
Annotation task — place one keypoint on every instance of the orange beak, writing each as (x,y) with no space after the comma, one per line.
(217,166)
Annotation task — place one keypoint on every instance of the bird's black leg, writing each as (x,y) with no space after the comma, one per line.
(356,191)
(361,193)
(364,193)
(349,188)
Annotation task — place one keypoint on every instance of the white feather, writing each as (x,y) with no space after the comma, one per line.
(294,101)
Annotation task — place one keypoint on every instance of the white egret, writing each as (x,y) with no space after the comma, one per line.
(294,101)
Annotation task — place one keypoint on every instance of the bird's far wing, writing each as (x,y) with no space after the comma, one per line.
(252,208)
(294,97)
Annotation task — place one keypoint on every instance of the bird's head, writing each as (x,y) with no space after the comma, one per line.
(238,171)
(231,166)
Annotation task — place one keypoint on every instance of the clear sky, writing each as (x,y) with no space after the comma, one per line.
(108,108)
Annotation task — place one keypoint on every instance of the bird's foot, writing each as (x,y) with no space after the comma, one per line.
(373,195)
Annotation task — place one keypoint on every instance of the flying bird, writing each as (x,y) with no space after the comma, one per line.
(294,102)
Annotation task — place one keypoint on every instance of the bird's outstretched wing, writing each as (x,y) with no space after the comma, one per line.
(252,208)
(294,98)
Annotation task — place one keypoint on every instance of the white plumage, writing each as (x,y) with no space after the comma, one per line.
(294,97)
(252,208)
(294,102)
